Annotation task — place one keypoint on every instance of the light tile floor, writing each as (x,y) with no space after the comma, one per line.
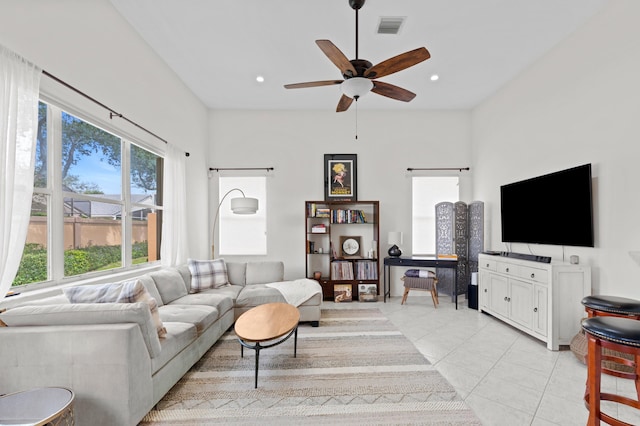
(507,377)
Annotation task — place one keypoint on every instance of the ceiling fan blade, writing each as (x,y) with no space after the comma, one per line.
(337,57)
(312,84)
(344,103)
(391,91)
(398,63)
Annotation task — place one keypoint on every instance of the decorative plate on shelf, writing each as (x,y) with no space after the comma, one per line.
(350,246)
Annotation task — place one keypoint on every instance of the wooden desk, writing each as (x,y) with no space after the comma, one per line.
(421,262)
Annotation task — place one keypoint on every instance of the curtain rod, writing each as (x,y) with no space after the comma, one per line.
(112,112)
(217,169)
(410,169)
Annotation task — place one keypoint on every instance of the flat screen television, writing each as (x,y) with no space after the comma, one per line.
(552,209)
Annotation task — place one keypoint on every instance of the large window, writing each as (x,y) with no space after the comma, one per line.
(242,234)
(427,192)
(96,201)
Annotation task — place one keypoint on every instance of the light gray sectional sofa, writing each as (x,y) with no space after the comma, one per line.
(111,354)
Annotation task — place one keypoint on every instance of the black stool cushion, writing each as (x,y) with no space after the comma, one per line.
(614,329)
(613,304)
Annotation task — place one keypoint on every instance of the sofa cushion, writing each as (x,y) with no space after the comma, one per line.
(258,294)
(87,313)
(199,315)
(179,336)
(231,291)
(169,283)
(124,292)
(207,274)
(237,272)
(59,299)
(151,287)
(186,275)
(264,272)
(219,301)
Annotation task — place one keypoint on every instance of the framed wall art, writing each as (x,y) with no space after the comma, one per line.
(340,177)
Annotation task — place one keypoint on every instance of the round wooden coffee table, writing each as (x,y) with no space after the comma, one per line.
(42,406)
(273,323)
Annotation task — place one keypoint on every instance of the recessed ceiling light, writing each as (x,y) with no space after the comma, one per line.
(260,79)
(434,77)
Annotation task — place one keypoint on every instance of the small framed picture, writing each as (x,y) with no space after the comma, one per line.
(342,293)
(350,246)
(367,293)
(340,177)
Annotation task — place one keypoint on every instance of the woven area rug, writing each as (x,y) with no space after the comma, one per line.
(356,368)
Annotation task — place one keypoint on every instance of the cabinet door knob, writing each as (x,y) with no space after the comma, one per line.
(505,298)
(507,269)
(508,299)
(487,265)
(535,309)
(485,290)
(533,275)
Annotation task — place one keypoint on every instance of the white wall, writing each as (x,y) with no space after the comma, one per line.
(294,142)
(579,104)
(88,45)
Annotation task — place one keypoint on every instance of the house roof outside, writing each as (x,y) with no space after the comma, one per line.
(96,209)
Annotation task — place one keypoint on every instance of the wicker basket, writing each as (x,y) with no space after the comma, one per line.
(578,346)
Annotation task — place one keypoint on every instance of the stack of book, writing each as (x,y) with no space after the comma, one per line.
(319,228)
(314,211)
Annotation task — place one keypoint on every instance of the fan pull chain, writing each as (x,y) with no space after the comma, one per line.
(356,119)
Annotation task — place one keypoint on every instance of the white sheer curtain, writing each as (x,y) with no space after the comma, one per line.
(19,89)
(173,249)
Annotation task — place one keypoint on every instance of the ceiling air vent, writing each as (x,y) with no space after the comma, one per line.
(390,24)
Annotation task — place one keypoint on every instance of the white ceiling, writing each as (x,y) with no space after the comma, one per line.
(218,47)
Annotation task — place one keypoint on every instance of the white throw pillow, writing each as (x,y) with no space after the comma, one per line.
(207,274)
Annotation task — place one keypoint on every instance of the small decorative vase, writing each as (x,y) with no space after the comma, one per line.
(394,251)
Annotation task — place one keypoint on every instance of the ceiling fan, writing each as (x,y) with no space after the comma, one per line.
(360,75)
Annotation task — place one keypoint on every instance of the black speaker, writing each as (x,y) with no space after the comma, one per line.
(472,296)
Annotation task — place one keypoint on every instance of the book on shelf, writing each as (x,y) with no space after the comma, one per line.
(319,228)
(348,216)
(314,211)
(322,212)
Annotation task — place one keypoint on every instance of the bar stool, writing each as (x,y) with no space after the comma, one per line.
(614,306)
(618,334)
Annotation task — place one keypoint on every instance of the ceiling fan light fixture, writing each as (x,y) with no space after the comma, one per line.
(356,87)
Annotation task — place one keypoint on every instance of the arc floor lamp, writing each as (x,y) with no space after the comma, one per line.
(239,205)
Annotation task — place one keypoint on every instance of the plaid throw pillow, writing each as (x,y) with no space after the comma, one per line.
(134,291)
(207,274)
(98,293)
(125,292)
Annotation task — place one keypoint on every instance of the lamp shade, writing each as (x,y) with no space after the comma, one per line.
(240,205)
(244,205)
(395,237)
(356,87)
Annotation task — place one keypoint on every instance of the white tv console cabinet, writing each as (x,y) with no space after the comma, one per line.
(541,299)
